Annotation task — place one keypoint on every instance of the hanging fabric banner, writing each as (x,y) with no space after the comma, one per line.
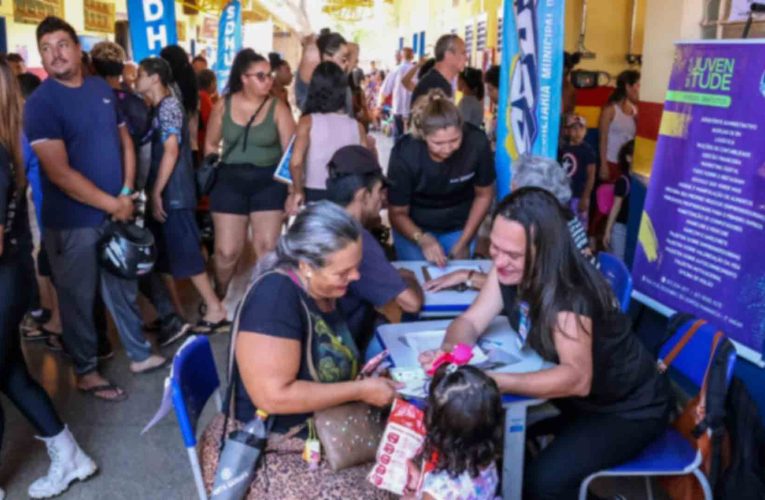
(528,119)
(229,41)
(152,26)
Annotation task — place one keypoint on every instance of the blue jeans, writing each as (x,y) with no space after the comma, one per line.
(407,249)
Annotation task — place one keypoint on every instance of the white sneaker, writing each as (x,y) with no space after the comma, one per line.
(68,462)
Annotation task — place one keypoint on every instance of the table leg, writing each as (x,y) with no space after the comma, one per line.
(515,446)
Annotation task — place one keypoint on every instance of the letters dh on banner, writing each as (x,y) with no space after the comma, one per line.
(152,26)
(528,120)
(229,41)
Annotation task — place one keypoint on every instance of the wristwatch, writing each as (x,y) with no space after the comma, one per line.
(469,280)
(417,236)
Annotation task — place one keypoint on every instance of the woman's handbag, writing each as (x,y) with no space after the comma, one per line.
(349,434)
(207,173)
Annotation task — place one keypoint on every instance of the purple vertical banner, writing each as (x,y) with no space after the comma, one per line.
(702,234)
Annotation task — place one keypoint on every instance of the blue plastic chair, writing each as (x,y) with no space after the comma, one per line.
(617,274)
(671,454)
(193,379)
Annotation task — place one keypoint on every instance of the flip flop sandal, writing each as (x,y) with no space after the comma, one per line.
(36,334)
(204,327)
(122,396)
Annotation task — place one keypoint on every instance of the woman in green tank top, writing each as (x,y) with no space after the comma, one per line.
(251,129)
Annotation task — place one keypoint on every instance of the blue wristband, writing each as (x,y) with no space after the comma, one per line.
(126,191)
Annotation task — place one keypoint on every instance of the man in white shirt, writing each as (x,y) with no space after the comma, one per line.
(401,96)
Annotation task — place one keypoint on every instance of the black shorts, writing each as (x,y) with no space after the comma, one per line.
(178,246)
(243,189)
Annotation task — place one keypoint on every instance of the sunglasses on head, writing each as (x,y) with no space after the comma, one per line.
(261,75)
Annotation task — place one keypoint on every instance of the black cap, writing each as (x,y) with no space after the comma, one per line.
(355,160)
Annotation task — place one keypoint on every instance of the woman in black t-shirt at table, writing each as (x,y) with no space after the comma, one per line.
(443,183)
(613,402)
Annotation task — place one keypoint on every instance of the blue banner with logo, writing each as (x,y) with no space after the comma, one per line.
(229,41)
(528,118)
(152,26)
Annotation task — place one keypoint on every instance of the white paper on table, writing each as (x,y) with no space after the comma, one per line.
(428,340)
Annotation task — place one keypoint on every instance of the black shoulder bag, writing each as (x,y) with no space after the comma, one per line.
(207,172)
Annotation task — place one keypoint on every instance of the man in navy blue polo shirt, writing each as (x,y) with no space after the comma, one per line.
(89,166)
(356,183)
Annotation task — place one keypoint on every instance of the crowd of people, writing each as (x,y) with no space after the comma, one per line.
(79,150)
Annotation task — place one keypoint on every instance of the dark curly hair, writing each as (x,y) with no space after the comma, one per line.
(328,89)
(183,75)
(242,62)
(464,421)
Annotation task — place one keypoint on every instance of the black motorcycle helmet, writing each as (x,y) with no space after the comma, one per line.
(127,251)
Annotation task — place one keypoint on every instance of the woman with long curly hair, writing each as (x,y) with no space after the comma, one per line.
(68,461)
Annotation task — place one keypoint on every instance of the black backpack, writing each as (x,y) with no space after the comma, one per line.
(745,477)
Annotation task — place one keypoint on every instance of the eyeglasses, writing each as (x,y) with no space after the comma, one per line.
(261,76)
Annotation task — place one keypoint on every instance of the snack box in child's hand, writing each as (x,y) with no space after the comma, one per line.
(403,437)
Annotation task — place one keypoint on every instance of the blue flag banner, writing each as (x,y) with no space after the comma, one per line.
(528,120)
(152,26)
(229,41)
